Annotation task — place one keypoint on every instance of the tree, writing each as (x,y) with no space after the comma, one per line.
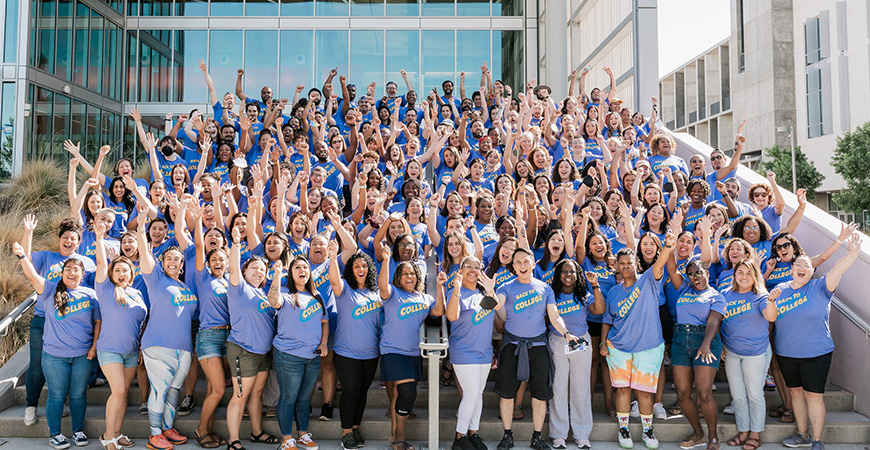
(852,161)
(778,161)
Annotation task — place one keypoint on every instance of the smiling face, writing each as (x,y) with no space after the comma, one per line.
(72,275)
(122,274)
(408,278)
(217,262)
(697,194)
(69,242)
(523,265)
(737,252)
(751,231)
(802,270)
(784,249)
(744,278)
(556,244)
(648,247)
(407,248)
(598,247)
(300,272)
(360,271)
(172,263)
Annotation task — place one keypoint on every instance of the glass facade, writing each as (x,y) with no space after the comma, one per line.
(98,69)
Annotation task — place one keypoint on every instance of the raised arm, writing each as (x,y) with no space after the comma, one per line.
(779,206)
(384,275)
(100,250)
(667,248)
(335,281)
(739,143)
(146,258)
(37,281)
(612,90)
(239,90)
(236,259)
(795,218)
(276,300)
(78,203)
(832,279)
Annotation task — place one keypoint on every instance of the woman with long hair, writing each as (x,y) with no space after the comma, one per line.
(72,319)
(123,310)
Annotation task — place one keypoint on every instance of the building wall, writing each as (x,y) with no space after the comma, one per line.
(845,69)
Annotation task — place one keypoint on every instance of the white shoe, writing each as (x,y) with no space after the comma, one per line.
(649,439)
(634,411)
(624,437)
(729,410)
(659,411)
(559,444)
(714,387)
(584,444)
(29,415)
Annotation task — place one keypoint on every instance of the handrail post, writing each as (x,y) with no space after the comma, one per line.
(433,347)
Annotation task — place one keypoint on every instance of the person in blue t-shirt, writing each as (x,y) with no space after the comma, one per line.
(697,347)
(768,199)
(802,340)
(748,311)
(72,319)
(786,249)
(634,346)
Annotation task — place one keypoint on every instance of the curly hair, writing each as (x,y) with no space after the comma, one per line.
(580,288)
(697,181)
(397,277)
(764,231)
(371,281)
(763,186)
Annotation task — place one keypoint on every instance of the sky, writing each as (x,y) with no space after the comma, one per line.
(689,27)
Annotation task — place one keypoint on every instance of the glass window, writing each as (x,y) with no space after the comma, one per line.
(191,7)
(226,7)
(156,7)
(130,139)
(77,130)
(472,50)
(331,50)
(10,38)
(225,59)
(297,61)
(261,67)
(367,8)
(61,119)
(261,8)
(80,64)
(439,8)
(132,7)
(95,76)
(145,62)
(367,59)
(64,38)
(438,62)
(42,126)
(191,45)
(297,7)
(403,52)
(332,7)
(472,8)
(507,7)
(403,8)
(93,130)
(45,58)
(132,69)
(7,121)
(507,58)
(112,69)
(34,33)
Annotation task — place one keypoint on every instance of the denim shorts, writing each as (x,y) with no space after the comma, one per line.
(211,343)
(687,341)
(129,360)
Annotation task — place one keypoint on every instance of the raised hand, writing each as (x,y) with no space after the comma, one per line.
(202,65)
(100,229)
(720,187)
(847,230)
(771,177)
(73,163)
(73,149)
(802,196)
(92,183)
(236,235)
(30,222)
(670,240)
(332,249)
(18,250)
(592,278)
(441,279)
(134,113)
(241,72)
(855,242)
(774,294)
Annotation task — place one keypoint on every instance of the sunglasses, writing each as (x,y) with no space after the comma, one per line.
(717,157)
(783,246)
(698,274)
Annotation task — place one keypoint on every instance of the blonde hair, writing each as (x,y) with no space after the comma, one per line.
(757,279)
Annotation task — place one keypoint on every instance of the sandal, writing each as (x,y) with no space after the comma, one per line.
(107,442)
(751,444)
(518,412)
(736,441)
(220,440)
(447,377)
(124,442)
(398,445)
(692,442)
(268,439)
(235,445)
(776,412)
(787,416)
(713,445)
(407,446)
(206,440)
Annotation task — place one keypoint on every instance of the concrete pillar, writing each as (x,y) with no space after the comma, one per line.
(646,53)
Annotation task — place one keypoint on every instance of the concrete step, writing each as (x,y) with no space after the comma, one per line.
(836,400)
(842,427)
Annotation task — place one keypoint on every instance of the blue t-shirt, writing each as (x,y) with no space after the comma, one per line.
(320,279)
(545,274)
(404,312)
(503,276)
(360,316)
(173,308)
(471,333)
(694,307)
(121,325)
(252,318)
(693,215)
(526,307)
(781,274)
(744,328)
(573,313)
(214,311)
(300,328)
(606,279)
(49,265)
(674,162)
(802,327)
(633,314)
(772,218)
(69,335)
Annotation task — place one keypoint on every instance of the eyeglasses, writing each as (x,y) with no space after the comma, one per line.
(783,246)
(717,157)
(751,228)
(471,267)
(698,274)
(406,245)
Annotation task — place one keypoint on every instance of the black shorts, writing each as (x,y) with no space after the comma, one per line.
(594,328)
(667,324)
(811,374)
(506,382)
(395,367)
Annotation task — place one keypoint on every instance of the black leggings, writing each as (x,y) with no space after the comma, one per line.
(355,375)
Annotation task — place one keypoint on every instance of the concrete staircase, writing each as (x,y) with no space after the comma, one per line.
(844,424)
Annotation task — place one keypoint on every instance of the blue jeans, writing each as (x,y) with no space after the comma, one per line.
(746,383)
(296,379)
(35,379)
(66,376)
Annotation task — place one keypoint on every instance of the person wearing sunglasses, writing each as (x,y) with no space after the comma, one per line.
(758,234)
(721,170)
(803,343)
(786,249)
(762,196)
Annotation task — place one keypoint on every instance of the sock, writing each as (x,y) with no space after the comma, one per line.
(623,420)
(646,420)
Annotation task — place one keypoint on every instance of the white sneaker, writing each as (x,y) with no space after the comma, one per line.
(729,410)
(29,415)
(634,411)
(659,411)
(584,444)
(714,387)
(649,438)
(306,443)
(624,437)
(559,444)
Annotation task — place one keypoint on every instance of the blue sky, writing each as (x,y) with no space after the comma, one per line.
(689,27)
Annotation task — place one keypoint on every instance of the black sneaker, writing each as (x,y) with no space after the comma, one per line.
(186,406)
(538,443)
(357,435)
(326,412)
(507,442)
(477,441)
(462,443)
(348,442)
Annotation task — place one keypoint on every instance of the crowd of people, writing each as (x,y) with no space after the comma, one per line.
(281,242)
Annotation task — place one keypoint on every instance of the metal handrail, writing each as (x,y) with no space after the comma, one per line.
(433,346)
(16,314)
(852,316)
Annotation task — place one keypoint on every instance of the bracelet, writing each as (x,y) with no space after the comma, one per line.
(596,287)
(839,241)
(21,257)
